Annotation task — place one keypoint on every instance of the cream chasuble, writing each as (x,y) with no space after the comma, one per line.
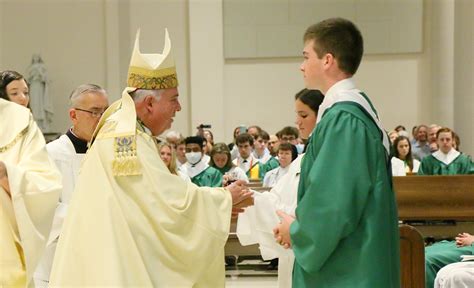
(35,184)
(131,223)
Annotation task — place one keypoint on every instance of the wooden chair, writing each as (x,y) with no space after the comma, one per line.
(412,257)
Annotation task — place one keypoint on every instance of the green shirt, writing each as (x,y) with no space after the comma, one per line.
(271,164)
(210,177)
(432,166)
(346,228)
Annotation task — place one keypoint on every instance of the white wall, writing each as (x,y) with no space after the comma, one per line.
(152,17)
(261,91)
(464,75)
(68,34)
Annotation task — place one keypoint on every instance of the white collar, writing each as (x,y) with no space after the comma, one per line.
(196,169)
(332,93)
(250,159)
(446,158)
(338,93)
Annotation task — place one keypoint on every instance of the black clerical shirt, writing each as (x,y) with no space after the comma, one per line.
(79,145)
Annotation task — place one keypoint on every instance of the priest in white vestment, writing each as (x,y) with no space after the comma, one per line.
(29,190)
(87,104)
(132,223)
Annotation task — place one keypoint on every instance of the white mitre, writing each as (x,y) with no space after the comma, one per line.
(152,71)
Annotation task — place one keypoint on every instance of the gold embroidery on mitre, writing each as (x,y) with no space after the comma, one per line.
(126,161)
(152,79)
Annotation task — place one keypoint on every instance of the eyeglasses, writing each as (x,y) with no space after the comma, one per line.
(288,138)
(95,114)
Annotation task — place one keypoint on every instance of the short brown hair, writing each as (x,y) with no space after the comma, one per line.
(339,37)
(244,138)
(445,130)
(289,130)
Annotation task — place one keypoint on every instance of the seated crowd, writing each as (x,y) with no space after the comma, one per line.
(249,157)
(436,151)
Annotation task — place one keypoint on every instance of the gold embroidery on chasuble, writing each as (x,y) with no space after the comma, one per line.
(126,161)
(14,141)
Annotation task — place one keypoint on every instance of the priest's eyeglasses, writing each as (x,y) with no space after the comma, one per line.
(95,114)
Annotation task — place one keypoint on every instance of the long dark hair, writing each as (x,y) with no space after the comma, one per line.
(409,157)
(6,77)
(312,98)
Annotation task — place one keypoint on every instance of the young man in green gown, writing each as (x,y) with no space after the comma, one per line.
(345,232)
(447,160)
(200,172)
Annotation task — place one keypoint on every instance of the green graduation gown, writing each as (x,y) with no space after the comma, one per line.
(209,177)
(346,228)
(432,166)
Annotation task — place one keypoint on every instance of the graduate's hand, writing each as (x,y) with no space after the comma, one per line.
(239,191)
(282,231)
(4,178)
(464,239)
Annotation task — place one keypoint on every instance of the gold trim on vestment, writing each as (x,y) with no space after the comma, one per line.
(13,142)
(126,161)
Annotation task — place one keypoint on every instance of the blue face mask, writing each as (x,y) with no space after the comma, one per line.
(299,148)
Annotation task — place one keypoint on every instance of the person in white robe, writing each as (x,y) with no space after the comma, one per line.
(402,160)
(132,223)
(29,190)
(256,224)
(87,103)
(287,153)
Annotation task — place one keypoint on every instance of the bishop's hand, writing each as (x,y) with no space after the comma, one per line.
(239,191)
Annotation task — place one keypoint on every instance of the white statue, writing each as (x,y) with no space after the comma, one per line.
(40,102)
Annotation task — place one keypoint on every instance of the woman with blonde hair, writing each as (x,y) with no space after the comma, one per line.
(168,155)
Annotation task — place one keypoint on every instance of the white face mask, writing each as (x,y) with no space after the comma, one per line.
(193,157)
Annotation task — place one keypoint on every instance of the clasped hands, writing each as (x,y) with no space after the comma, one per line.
(464,239)
(282,231)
